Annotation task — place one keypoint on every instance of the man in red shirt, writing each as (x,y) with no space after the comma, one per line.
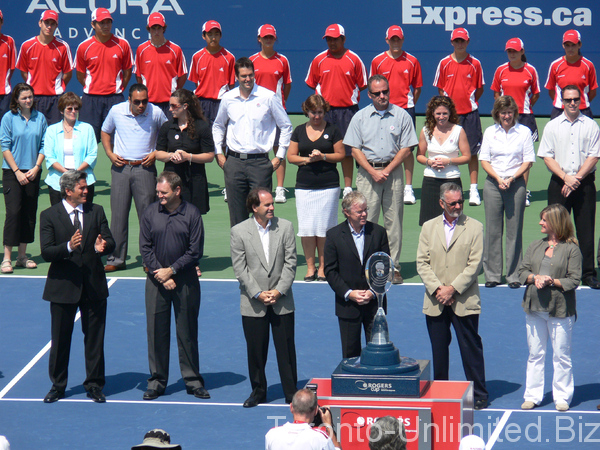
(160,64)
(7,67)
(104,64)
(403,72)
(460,77)
(338,74)
(46,65)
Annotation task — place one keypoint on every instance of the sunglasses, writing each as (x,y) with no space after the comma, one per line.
(72,108)
(140,102)
(571,100)
(453,204)
(377,94)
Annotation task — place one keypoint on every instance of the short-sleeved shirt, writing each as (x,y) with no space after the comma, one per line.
(297,436)
(320,174)
(403,74)
(521,84)
(459,81)
(272,73)
(103,64)
(570,143)
(378,136)
(24,138)
(7,61)
(45,65)
(506,152)
(212,73)
(135,136)
(562,73)
(159,68)
(338,80)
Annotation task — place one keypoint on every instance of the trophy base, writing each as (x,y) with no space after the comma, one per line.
(375,382)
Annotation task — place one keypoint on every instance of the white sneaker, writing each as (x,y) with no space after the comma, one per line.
(347,190)
(409,196)
(280,194)
(527,202)
(474,199)
(224,192)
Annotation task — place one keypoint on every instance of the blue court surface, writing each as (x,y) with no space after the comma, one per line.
(221,422)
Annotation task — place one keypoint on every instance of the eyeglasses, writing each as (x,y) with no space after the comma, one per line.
(453,204)
(72,108)
(377,94)
(174,106)
(140,102)
(571,100)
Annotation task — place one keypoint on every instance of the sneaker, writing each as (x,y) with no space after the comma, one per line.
(562,406)
(347,190)
(528,405)
(474,199)
(280,194)
(224,192)
(527,196)
(409,196)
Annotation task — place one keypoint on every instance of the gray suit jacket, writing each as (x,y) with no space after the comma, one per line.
(255,274)
(456,265)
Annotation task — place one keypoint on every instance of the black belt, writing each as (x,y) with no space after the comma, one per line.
(246,155)
(379,165)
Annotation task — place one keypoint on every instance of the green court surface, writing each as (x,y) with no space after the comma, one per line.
(216,263)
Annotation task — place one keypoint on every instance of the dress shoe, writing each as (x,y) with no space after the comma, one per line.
(321,279)
(95,393)
(592,282)
(309,278)
(562,406)
(54,395)
(199,392)
(527,405)
(491,284)
(514,285)
(111,268)
(253,401)
(482,403)
(397,278)
(151,394)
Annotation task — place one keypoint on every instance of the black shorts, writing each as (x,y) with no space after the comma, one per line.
(4,104)
(413,116)
(529,121)
(48,106)
(210,108)
(471,123)
(164,107)
(95,108)
(341,117)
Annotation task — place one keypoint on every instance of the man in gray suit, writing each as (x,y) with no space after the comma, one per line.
(263,254)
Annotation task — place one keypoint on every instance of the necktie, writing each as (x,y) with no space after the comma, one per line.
(76,221)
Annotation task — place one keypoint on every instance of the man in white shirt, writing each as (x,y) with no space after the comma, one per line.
(571,147)
(299,434)
(249,116)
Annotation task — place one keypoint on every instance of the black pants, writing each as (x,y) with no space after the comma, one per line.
(582,202)
(350,329)
(469,343)
(256,332)
(21,202)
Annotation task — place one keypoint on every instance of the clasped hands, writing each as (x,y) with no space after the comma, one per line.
(445,295)
(269,297)
(362,297)
(163,276)
(541,281)
(572,182)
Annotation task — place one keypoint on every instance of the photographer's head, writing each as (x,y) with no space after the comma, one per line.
(387,433)
(304,405)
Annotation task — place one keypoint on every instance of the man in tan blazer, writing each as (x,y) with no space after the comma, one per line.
(449,259)
(263,254)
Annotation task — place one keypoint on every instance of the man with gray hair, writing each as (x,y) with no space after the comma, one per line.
(348,246)
(299,434)
(387,433)
(74,235)
(382,136)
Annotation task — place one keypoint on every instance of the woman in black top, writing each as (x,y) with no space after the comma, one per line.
(316,147)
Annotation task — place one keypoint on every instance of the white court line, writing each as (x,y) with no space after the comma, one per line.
(497,430)
(146,402)
(37,357)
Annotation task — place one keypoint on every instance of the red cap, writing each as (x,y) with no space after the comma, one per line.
(515,44)
(211,25)
(100,14)
(394,30)
(334,30)
(460,33)
(49,15)
(267,30)
(156,19)
(572,36)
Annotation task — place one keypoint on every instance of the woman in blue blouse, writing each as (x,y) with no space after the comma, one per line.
(21,136)
(69,144)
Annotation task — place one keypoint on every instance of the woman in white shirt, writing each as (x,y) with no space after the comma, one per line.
(506,155)
(69,144)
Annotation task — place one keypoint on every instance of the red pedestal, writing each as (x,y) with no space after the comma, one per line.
(432,422)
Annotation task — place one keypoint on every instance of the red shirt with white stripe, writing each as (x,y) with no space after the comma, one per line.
(272,73)
(562,73)
(521,84)
(338,80)
(45,65)
(403,74)
(459,81)
(212,73)
(159,68)
(7,60)
(103,64)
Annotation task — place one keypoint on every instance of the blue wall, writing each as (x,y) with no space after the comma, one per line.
(300,26)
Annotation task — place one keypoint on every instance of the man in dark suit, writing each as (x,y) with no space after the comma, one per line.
(348,247)
(263,254)
(73,236)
